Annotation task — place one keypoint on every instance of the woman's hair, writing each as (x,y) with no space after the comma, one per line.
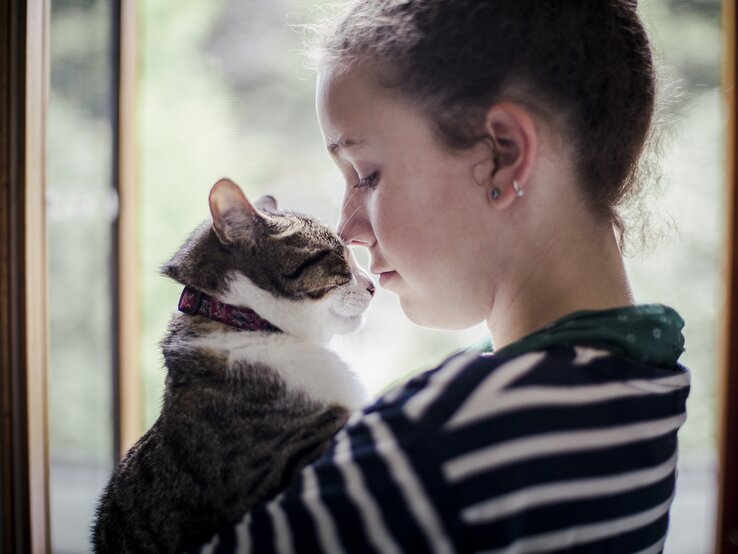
(584,66)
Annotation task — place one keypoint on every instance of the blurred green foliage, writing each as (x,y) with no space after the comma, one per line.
(685,267)
(80,213)
(81,208)
(222,91)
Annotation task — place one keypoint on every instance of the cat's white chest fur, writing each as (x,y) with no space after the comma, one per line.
(304,366)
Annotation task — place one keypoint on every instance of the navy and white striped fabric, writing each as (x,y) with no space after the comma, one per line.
(570,449)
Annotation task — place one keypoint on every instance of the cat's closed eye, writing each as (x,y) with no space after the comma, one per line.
(307,263)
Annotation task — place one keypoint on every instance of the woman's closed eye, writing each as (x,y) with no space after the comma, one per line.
(368,182)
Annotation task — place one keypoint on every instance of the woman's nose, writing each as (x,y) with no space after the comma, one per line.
(353,226)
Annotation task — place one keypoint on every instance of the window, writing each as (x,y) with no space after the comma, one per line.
(226,71)
(81,216)
(220,90)
(687,273)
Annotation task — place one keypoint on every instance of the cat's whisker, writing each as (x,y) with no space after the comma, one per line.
(349,199)
(352,238)
(349,219)
(335,286)
(343,207)
(307,291)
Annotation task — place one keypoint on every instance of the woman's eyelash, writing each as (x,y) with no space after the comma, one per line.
(368,182)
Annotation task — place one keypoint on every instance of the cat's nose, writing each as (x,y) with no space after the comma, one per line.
(371,289)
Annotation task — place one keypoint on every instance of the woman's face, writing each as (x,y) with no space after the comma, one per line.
(415,206)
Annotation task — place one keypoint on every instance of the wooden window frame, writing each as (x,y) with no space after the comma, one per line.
(23,276)
(726,531)
(129,427)
(24,433)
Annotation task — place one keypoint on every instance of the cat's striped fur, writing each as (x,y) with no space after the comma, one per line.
(243,411)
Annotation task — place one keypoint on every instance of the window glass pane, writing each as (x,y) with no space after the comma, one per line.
(81,209)
(223,92)
(685,269)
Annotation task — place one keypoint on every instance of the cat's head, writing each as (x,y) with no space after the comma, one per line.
(291,269)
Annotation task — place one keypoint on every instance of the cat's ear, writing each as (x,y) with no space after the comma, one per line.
(234,218)
(267,202)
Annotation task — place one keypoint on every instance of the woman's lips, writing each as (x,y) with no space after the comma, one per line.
(387,276)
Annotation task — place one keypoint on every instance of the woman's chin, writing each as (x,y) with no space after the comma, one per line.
(433,316)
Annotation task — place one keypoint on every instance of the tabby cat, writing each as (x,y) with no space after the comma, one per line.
(252,391)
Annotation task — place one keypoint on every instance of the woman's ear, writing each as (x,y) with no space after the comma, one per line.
(234,218)
(515,139)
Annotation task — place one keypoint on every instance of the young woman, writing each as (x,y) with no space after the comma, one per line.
(486,149)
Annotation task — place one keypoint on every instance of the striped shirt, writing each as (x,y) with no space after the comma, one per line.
(567,449)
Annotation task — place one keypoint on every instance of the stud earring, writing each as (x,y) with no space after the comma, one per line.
(495,193)
(518,191)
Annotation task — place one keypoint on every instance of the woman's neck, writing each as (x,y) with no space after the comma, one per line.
(582,271)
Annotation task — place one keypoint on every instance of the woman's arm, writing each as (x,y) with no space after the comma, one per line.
(376,489)
(528,453)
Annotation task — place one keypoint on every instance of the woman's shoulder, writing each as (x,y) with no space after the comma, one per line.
(558,375)
(504,442)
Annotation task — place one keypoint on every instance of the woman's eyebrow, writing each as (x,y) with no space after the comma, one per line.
(336,145)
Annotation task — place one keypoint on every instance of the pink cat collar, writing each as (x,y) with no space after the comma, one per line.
(195,302)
